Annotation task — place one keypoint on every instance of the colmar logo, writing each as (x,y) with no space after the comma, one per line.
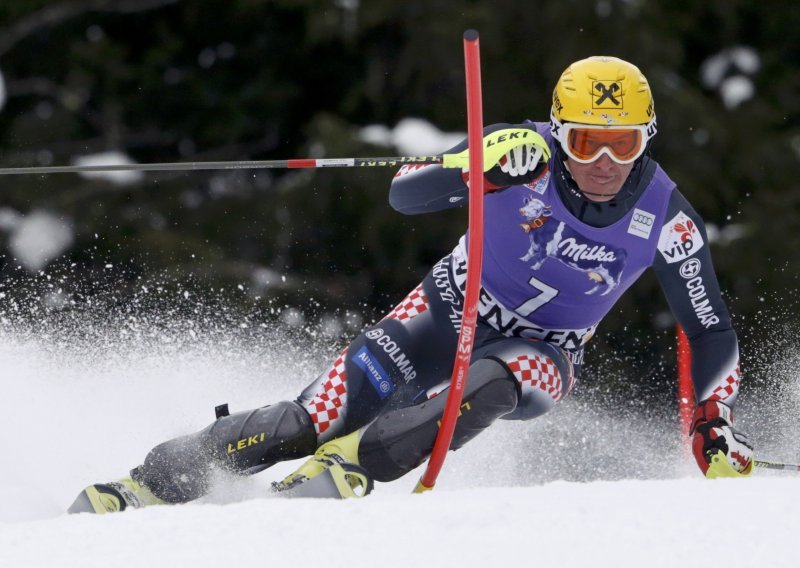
(690,268)
(680,238)
(396,355)
(703,309)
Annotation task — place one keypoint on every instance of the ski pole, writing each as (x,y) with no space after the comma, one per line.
(777,465)
(496,145)
(229,165)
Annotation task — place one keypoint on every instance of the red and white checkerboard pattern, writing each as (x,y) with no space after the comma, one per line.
(538,372)
(728,386)
(327,406)
(413,305)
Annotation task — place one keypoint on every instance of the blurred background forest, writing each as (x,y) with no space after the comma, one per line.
(171,80)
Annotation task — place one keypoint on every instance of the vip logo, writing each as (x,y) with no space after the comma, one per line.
(680,238)
(609,94)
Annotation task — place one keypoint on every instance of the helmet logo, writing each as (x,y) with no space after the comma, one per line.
(607,93)
(557,102)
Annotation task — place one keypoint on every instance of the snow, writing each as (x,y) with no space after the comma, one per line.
(632,523)
(84,400)
(736,90)
(412,137)
(37,238)
(111,158)
(729,72)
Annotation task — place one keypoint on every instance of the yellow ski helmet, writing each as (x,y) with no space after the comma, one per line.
(605,91)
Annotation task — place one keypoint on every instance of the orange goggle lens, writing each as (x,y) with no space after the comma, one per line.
(585,144)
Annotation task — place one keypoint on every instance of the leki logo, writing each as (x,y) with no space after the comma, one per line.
(611,93)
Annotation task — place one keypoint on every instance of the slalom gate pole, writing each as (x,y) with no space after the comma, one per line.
(685,388)
(469,317)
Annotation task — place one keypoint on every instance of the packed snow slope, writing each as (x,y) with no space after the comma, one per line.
(584,486)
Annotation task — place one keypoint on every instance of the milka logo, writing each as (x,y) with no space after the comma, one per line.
(550,238)
(571,249)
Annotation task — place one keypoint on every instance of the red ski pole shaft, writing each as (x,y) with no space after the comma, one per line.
(469,317)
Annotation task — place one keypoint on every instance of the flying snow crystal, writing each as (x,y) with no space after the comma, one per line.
(263,279)
(9,219)
(725,235)
(293,317)
(736,90)
(412,137)
(126,177)
(729,71)
(37,238)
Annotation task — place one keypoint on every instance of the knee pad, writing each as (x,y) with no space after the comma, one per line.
(402,439)
(180,470)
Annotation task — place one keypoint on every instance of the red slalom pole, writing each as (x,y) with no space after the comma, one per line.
(685,386)
(469,317)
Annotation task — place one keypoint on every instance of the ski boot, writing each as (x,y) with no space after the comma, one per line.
(333,472)
(114,496)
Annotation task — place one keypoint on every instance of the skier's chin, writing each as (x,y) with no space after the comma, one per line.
(601,190)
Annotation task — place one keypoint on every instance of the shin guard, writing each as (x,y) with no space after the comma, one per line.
(180,470)
(402,439)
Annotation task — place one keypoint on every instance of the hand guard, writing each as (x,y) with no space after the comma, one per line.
(521,164)
(713,434)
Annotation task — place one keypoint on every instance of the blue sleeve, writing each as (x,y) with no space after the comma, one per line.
(692,291)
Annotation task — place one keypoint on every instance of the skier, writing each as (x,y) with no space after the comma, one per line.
(564,238)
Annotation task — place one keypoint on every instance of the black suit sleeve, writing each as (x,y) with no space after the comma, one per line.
(686,274)
(424,189)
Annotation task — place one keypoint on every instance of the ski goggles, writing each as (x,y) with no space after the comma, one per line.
(584,143)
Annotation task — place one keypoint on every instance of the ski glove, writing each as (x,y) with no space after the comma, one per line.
(522,164)
(713,433)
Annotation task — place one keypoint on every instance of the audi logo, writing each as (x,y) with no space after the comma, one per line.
(643,219)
